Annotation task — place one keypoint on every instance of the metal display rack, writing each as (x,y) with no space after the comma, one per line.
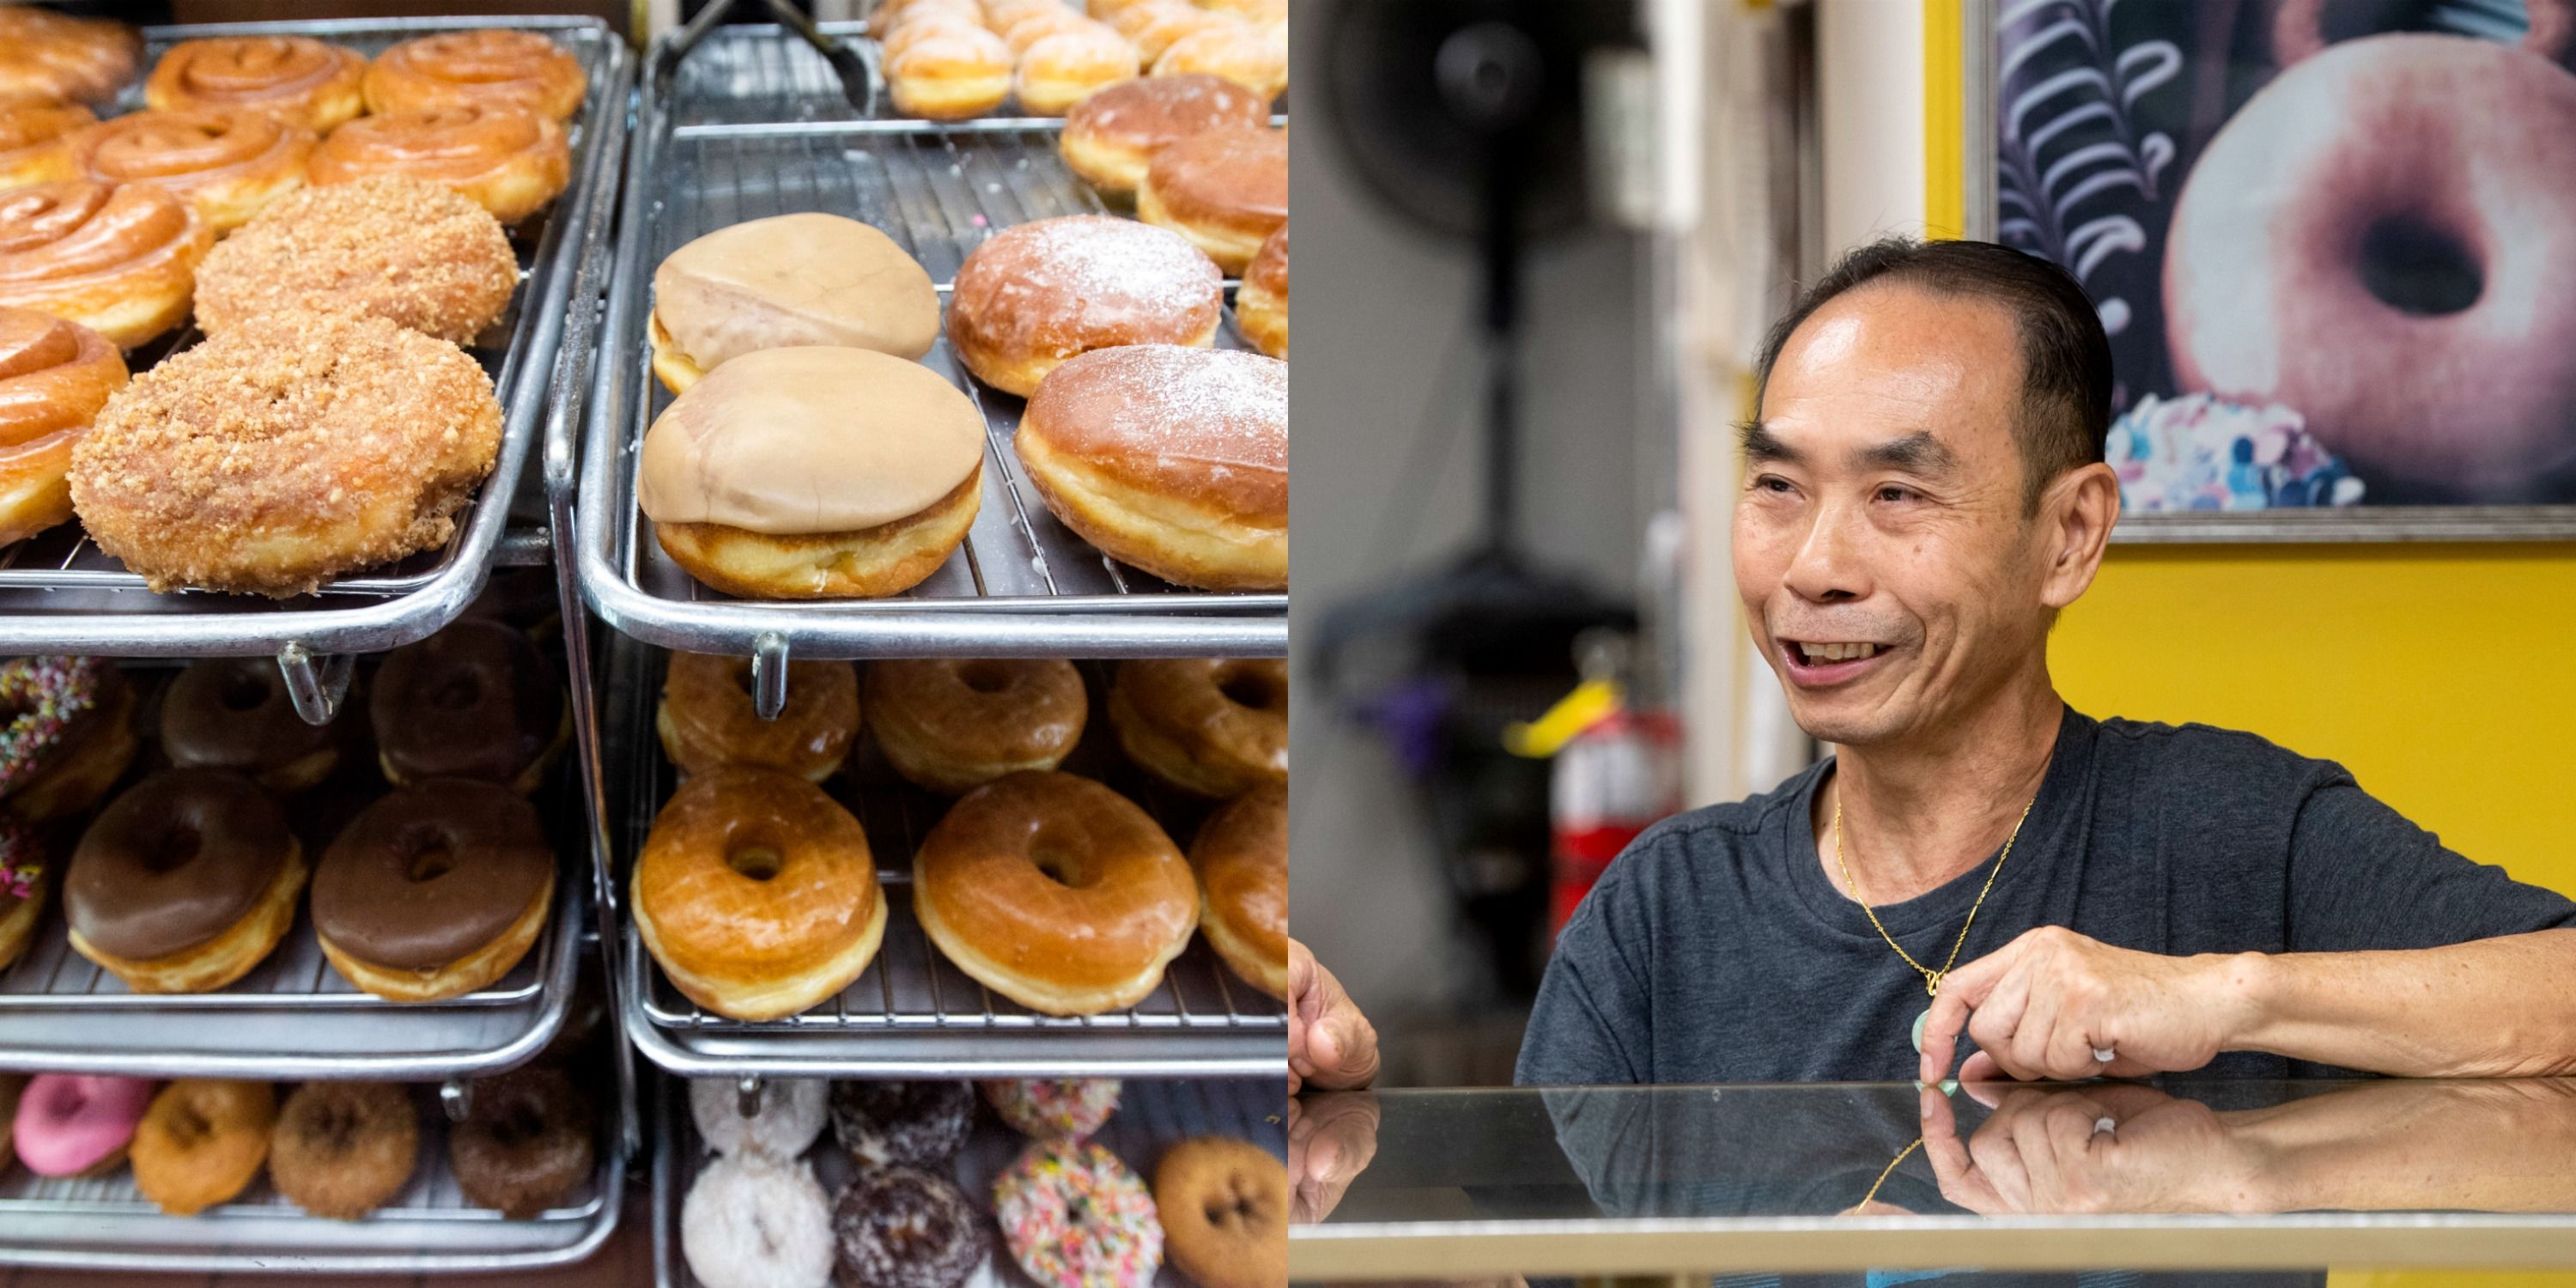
(59,593)
(1152,1116)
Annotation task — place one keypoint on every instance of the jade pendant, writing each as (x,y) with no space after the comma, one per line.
(1919,1019)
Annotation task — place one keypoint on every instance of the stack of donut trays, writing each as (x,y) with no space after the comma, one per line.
(946,771)
(296,970)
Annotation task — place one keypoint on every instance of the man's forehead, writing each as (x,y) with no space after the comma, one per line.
(1902,360)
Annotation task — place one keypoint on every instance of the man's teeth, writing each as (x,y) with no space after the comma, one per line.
(1836,652)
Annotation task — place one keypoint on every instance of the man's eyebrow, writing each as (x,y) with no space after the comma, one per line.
(1916,453)
(1760,444)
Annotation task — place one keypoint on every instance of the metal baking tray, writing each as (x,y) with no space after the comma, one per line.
(914,1014)
(1152,1115)
(104,1224)
(59,593)
(1023,585)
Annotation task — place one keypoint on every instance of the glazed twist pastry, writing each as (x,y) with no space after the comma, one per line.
(508,159)
(32,135)
(514,68)
(54,376)
(48,55)
(120,261)
(297,78)
(228,164)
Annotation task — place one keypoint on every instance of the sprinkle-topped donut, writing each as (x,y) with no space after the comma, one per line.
(1052,1108)
(22,858)
(1075,1217)
(46,694)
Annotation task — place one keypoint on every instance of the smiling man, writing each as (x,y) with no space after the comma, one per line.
(1979,865)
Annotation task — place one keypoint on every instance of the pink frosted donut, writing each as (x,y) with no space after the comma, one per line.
(1051,1109)
(1075,1217)
(71,1124)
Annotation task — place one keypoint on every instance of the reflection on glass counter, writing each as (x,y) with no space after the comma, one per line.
(2272,1180)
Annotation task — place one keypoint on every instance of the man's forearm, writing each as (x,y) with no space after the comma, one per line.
(2495,1008)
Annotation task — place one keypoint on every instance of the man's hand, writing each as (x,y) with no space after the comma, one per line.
(2109,1148)
(1331,1046)
(1331,1140)
(2042,1005)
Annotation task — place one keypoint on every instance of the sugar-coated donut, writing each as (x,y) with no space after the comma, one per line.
(525,1144)
(69,736)
(202,1141)
(511,67)
(1241,857)
(32,135)
(1224,1208)
(198,924)
(950,74)
(1021,26)
(476,700)
(509,160)
(920,1123)
(434,890)
(26,881)
(234,713)
(121,261)
(1110,137)
(71,1124)
(1074,1216)
(296,78)
(1055,892)
(1225,189)
(1214,726)
(286,451)
(54,378)
(903,1227)
(1249,56)
(1053,1108)
(753,1221)
(343,1148)
(757,894)
(1172,459)
(790,1115)
(918,23)
(706,717)
(951,724)
(1156,25)
(785,281)
(1040,293)
(391,246)
(1064,68)
(229,164)
(814,473)
(1261,303)
(51,55)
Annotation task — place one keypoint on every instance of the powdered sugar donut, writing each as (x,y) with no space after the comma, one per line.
(751,1221)
(790,1117)
(1076,1217)
(1052,1108)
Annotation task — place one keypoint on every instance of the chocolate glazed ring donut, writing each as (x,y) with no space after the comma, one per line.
(525,1144)
(914,1124)
(234,713)
(184,883)
(902,1227)
(474,701)
(434,891)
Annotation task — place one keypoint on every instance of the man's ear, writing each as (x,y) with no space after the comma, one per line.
(2076,518)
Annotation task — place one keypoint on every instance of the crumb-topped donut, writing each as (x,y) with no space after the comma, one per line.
(54,377)
(286,451)
(32,134)
(525,1144)
(1225,189)
(69,736)
(476,700)
(1053,1108)
(951,724)
(1110,137)
(1075,1217)
(788,1118)
(706,717)
(435,890)
(753,1221)
(1214,726)
(508,160)
(296,77)
(50,55)
(343,1148)
(903,1227)
(228,164)
(495,65)
(915,1124)
(1055,892)
(235,713)
(184,883)
(1039,293)
(409,251)
(202,1142)
(1241,858)
(121,261)
(1224,1207)
(1261,303)
(25,881)
(1172,459)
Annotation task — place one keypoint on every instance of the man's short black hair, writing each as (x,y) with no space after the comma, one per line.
(2065,356)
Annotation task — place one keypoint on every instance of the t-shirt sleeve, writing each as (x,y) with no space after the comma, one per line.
(1591,1022)
(2363,877)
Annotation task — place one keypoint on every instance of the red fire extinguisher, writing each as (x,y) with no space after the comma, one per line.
(1617,771)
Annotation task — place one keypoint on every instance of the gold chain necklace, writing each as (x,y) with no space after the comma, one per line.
(1931,978)
(1885,1172)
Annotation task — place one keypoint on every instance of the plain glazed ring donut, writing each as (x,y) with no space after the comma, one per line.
(1055,892)
(202,1142)
(525,1144)
(508,160)
(1225,189)
(390,246)
(1214,726)
(754,1221)
(297,78)
(1174,460)
(54,378)
(513,68)
(1241,857)
(32,135)
(47,55)
(343,1148)
(951,724)
(1224,1206)
(706,717)
(476,700)
(1261,304)
(184,883)
(233,713)
(1110,137)
(903,1227)
(228,164)
(120,261)
(757,894)
(1040,293)
(435,890)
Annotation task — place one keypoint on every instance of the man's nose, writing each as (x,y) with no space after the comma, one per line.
(1826,566)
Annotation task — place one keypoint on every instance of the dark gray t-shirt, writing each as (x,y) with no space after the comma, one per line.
(1715,950)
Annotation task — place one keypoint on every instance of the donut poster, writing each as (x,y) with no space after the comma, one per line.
(2334,246)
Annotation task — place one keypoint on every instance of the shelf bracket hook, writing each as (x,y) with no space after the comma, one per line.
(769,675)
(317,686)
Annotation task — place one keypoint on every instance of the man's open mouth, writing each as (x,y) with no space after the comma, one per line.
(1823,662)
